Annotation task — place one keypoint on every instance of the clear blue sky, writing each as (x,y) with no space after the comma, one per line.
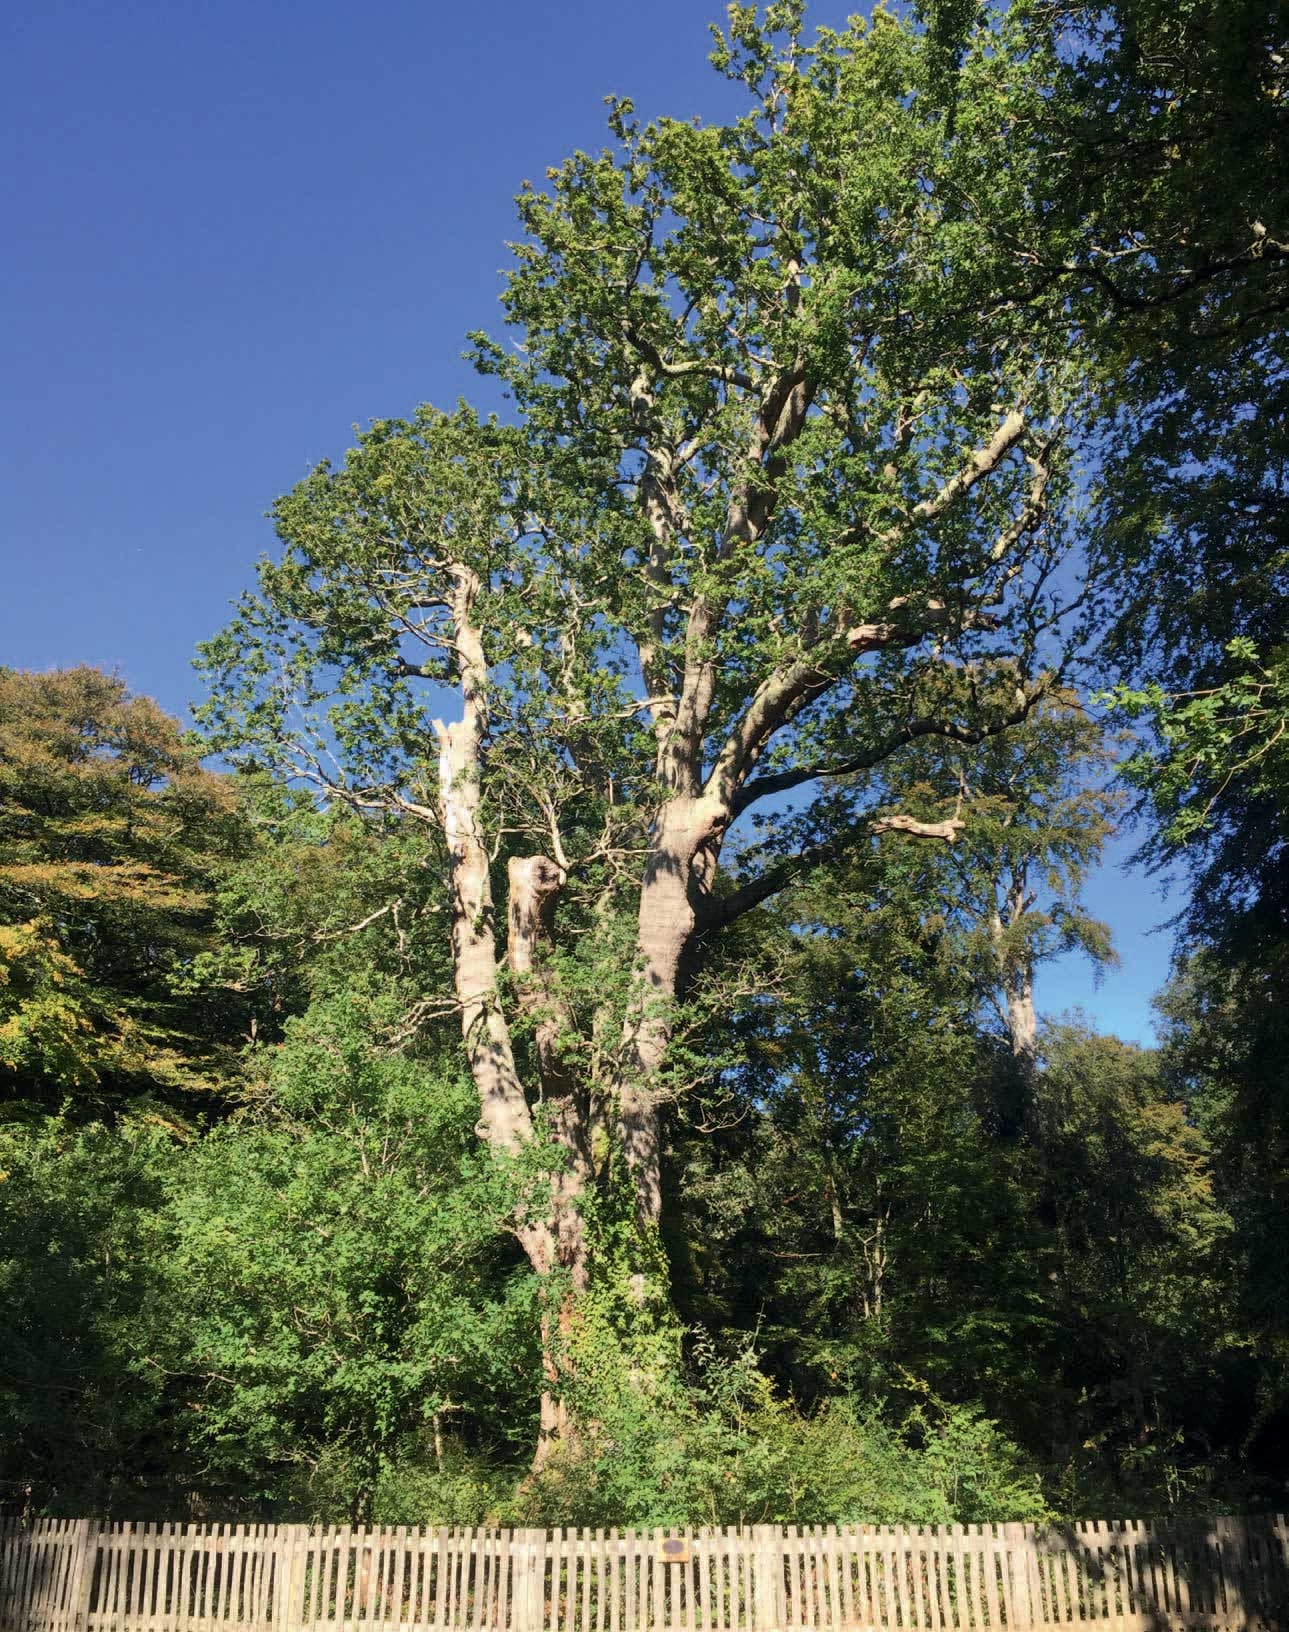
(232,231)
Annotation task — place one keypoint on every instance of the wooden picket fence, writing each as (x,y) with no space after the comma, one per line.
(60,1575)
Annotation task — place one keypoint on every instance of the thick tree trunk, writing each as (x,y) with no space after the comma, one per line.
(686,831)
(1022,1030)
(554,1241)
(1022,1021)
(1016,978)
(557,1428)
(504,1121)
(535,885)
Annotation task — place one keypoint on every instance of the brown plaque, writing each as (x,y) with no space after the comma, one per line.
(675,1549)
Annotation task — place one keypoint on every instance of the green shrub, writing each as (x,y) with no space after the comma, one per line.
(724,1448)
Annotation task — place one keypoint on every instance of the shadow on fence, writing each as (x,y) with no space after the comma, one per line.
(79,1576)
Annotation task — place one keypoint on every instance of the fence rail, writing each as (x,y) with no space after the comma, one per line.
(76,1575)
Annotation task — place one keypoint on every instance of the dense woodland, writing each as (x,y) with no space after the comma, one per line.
(560,1043)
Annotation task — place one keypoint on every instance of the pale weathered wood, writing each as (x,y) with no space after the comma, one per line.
(397,1605)
(686,1571)
(480,1578)
(219,1577)
(194,1566)
(610,1577)
(1259,1568)
(1116,1581)
(9,1535)
(564,1581)
(236,1567)
(177,1578)
(116,1545)
(472,1578)
(57,1573)
(258,1567)
(467,1569)
(826,1543)
(707,1552)
(812,1599)
(534,1581)
(459,1576)
(745,1564)
(33,1553)
(922,1571)
(329,1549)
(294,1579)
(932,1559)
(368,1562)
(844,1543)
(320,1564)
(1133,1556)
(436,1569)
(240,1576)
(893,1573)
(863,1610)
(19,1568)
(260,1560)
(481,1587)
(418,1610)
(361,1547)
(205,1552)
(731,1590)
(628,1557)
(344,1567)
(1066,1582)
(469,1587)
(452,1614)
(1016,1579)
(29,1569)
(236,1571)
(263,1575)
(398,1588)
(1226,1575)
(782,1551)
(337,1577)
(1209,1550)
(500,1606)
(212,1551)
(49,1570)
(384,1548)
(100,1607)
(769,1579)
(499,1571)
(201,1550)
(440,1565)
(147,1579)
(807,1576)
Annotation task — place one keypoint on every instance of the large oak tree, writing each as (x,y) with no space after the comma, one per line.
(787,495)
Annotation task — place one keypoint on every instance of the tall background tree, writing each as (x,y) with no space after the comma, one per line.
(113,840)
